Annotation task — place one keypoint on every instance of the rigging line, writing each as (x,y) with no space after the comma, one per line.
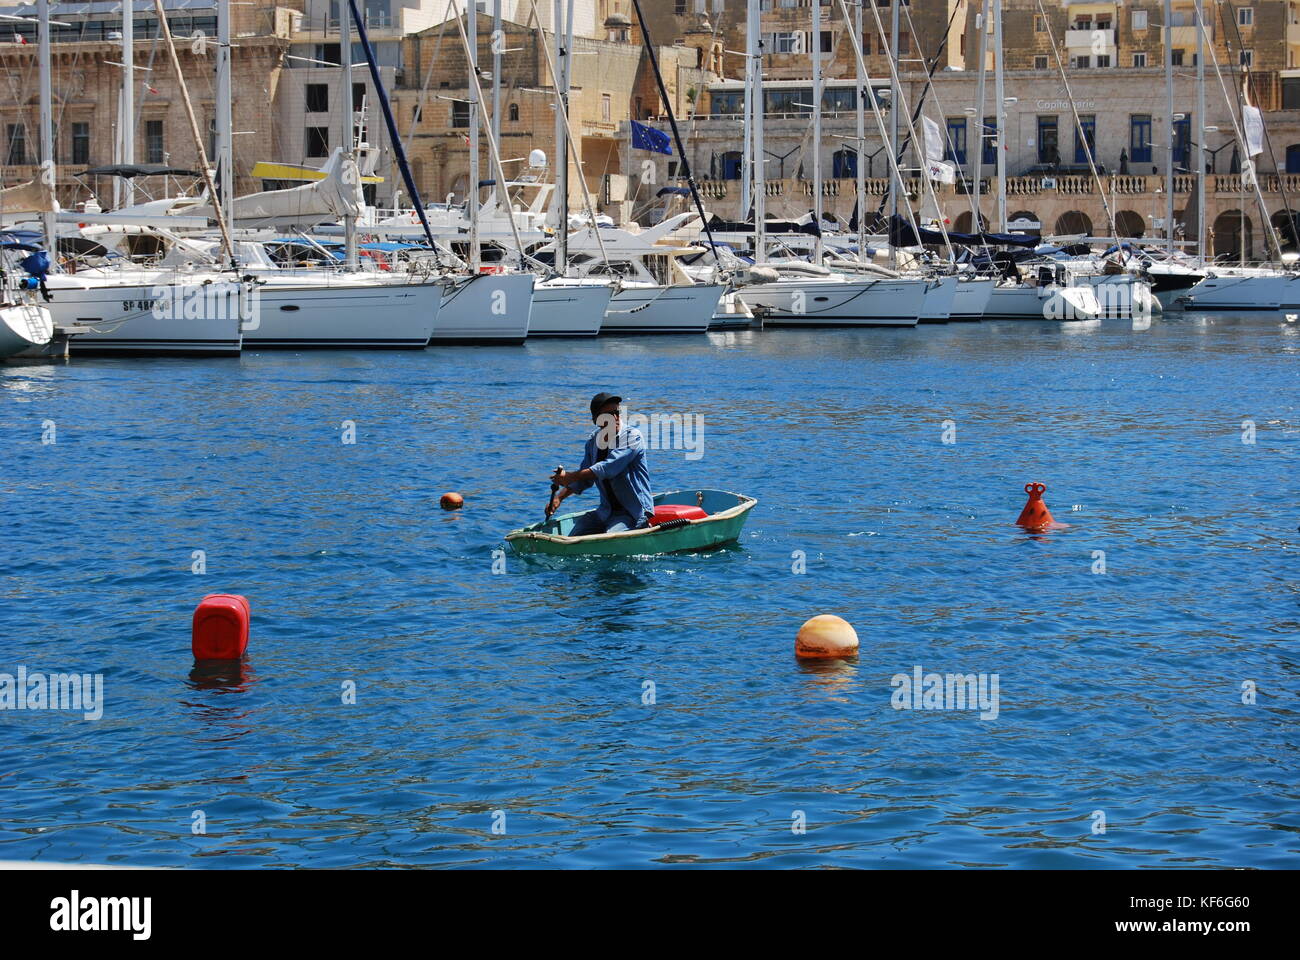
(672,121)
(880,121)
(587,204)
(1237,129)
(924,175)
(418,117)
(1078,126)
(933,66)
(1268,139)
(976,227)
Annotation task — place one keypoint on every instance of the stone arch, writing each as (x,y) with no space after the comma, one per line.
(1227,235)
(1285,225)
(963,223)
(1024,215)
(1130,223)
(1074,221)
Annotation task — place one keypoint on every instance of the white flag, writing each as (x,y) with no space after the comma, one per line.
(1252,122)
(940,171)
(933,140)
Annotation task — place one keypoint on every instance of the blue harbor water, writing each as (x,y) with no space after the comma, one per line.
(650,712)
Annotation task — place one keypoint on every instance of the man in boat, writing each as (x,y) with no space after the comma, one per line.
(614,461)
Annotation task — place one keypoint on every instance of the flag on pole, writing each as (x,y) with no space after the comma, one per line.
(648,138)
(933,139)
(940,171)
(1252,122)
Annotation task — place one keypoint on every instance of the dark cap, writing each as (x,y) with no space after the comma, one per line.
(600,399)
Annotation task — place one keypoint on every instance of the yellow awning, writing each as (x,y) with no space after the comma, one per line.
(284,171)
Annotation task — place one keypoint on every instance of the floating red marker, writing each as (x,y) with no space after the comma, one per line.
(221,627)
(1036,516)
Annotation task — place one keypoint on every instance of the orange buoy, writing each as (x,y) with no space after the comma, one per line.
(220,628)
(1035,516)
(452,501)
(826,637)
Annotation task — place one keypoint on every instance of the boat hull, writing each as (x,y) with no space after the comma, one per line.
(486,308)
(852,303)
(24,327)
(1043,303)
(1269,293)
(342,315)
(568,310)
(971,300)
(938,303)
(148,317)
(727,515)
(680,308)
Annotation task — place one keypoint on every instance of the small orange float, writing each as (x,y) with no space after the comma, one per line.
(826,637)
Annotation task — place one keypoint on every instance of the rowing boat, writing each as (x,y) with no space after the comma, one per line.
(725,516)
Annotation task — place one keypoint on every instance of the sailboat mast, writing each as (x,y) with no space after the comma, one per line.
(126,122)
(499,192)
(860,99)
(47,172)
(224,122)
(895,95)
(818,202)
(982,22)
(1000,111)
(1169,145)
(561,143)
(472,190)
(1200,135)
(345,61)
(754,57)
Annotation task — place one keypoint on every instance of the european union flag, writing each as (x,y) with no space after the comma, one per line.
(648,138)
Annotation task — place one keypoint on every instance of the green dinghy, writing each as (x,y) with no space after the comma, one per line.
(726,516)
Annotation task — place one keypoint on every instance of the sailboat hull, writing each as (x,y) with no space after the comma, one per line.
(568,310)
(1276,292)
(1021,302)
(971,300)
(337,314)
(144,319)
(937,307)
(663,309)
(485,308)
(24,327)
(853,303)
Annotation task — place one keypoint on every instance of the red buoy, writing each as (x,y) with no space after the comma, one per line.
(221,627)
(1035,516)
(452,501)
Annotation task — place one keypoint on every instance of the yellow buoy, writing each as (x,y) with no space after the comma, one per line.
(452,501)
(826,637)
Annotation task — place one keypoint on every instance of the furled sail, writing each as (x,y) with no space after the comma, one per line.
(336,195)
(30,197)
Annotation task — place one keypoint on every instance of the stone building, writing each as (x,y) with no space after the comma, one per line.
(87,83)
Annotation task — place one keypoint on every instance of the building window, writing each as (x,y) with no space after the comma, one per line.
(1047,141)
(1040,25)
(1183,143)
(1139,138)
(904,42)
(787,43)
(1087,144)
(81,143)
(1293,158)
(514,113)
(679,8)
(318,141)
(1040,62)
(1139,59)
(1247,58)
(460,114)
(844,164)
(417,114)
(1139,19)
(606,107)
(153,141)
(733,162)
(1081,63)
(318,98)
(1245,16)
(955,149)
(17,155)
(1176,57)
(1103,60)
(211,146)
(358,95)
(827,42)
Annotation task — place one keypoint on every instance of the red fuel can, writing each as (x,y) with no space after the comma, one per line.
(676,511)
(221,627)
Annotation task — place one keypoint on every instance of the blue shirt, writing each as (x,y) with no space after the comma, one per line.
(625,470)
